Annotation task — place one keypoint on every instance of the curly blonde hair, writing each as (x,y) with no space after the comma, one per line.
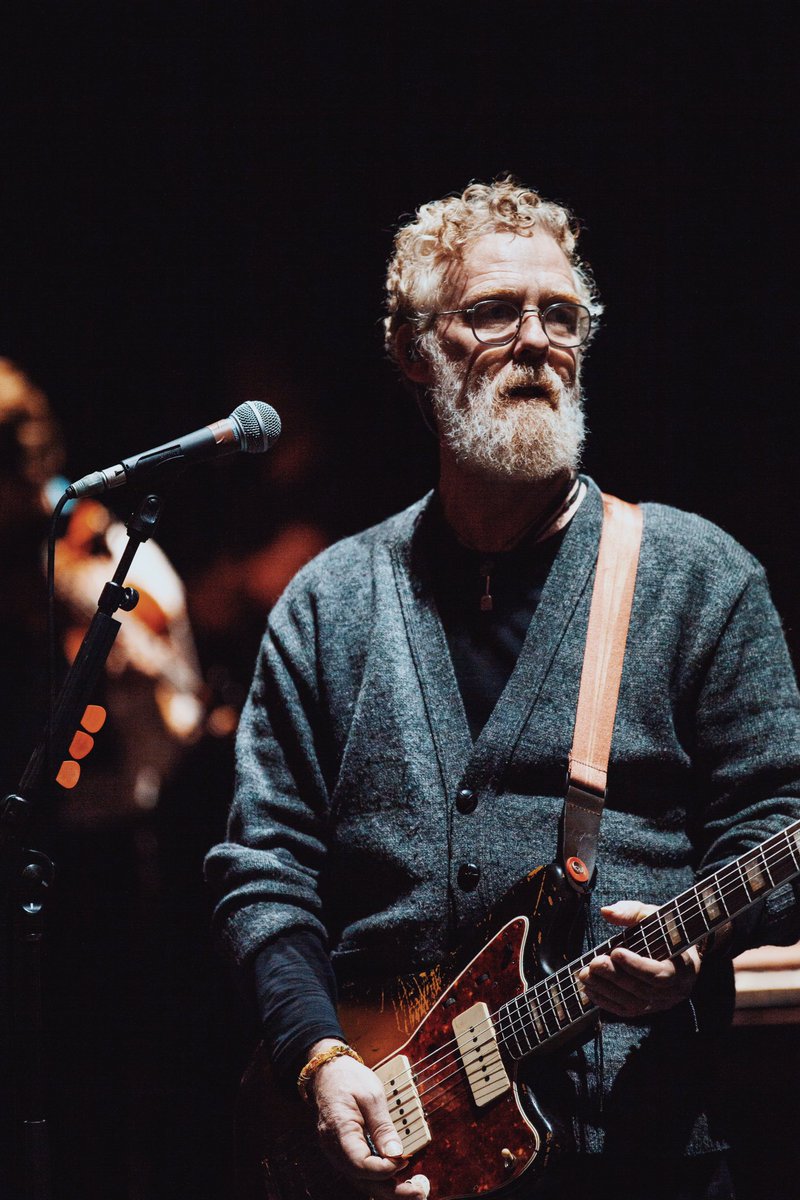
(427,247)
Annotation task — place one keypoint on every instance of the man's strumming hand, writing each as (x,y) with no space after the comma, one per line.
(351,1104)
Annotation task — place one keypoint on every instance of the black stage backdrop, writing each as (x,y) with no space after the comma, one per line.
(196,206)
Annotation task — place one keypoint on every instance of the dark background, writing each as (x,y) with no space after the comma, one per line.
(196,207)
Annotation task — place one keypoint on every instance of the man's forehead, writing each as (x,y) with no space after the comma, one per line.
(509,259)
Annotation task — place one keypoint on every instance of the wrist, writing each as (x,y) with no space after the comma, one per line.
(323,1044)
(335,1049)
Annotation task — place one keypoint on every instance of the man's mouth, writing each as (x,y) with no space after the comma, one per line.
(529,391)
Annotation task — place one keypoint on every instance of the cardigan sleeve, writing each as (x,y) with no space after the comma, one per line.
(265,874)
(747,733)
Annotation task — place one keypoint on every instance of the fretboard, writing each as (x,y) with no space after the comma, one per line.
(559,1001)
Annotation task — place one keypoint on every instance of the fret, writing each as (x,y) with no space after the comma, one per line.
(642,932)
(659,935)
(721,894)
(752,873)
(545,1011)
(765,865)
(558,1002)
(693,917)
(569,996)
(580,989)
(535,1014)
(521,1026)
(511,1027)
(793,836)
(734,888)
(671,920)
(779,855)
(711,901)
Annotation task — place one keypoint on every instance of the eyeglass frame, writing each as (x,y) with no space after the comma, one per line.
(521,313)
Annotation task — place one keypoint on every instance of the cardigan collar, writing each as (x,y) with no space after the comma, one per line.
(413,553)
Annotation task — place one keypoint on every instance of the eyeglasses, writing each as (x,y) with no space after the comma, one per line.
(498,322)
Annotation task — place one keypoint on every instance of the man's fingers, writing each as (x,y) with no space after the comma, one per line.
(626,912)
(353,1121)
(629,986)
(612,973)
(385,1140)
(647,971)
(348,1143)
(382,1132)
(415,1188)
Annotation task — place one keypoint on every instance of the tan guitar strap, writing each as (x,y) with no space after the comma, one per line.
(606,636)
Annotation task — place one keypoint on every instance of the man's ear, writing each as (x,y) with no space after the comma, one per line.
(410,359)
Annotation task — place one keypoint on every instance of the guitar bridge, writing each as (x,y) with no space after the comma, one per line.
(480,1054)
(405,1105)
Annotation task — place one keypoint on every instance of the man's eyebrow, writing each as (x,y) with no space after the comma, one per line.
(547,295)
(495,293)
(506,292)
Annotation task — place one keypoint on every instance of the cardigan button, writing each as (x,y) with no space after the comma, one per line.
(468,877)
(466,801)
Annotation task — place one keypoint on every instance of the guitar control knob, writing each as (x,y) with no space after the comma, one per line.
(509,1158)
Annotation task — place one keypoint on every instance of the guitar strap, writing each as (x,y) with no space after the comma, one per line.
(606,636)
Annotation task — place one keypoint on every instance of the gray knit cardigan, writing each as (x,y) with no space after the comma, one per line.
(354,744)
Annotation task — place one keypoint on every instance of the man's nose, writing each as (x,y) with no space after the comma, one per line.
(531,339)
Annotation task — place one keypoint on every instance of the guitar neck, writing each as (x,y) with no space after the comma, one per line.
(555,1004)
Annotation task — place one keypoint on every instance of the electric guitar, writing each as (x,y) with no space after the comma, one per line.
(454,1058)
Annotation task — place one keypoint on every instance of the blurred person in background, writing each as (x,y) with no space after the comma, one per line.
(106,973)
(153,689)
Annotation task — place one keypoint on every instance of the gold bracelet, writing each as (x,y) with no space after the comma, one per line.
(318,1060)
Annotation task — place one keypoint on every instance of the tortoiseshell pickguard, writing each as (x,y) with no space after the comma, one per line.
(457,1125)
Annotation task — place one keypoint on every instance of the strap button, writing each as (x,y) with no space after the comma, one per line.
(466,801)
(468,877)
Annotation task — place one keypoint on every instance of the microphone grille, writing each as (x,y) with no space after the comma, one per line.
(260,425)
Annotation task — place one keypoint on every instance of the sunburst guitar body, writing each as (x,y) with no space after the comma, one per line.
(455,1093)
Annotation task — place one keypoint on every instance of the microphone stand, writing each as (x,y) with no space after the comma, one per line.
(26,874)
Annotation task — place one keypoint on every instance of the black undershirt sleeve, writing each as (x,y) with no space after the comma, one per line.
(296,995)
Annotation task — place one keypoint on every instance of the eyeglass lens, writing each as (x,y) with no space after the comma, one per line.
(498,321)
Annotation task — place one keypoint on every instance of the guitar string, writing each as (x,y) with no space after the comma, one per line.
(508,1024)
(439,1088)
(442,1091)
(639,940)
(505,1024)
(653,923)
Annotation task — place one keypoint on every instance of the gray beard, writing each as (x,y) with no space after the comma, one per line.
(493,434)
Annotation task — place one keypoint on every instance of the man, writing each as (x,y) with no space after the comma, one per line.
(403,752)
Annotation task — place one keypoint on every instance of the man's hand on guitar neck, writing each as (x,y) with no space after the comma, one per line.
(629,986)
(351,1105)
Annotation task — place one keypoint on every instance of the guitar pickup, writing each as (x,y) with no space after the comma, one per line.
(405,1105)
(480,1055)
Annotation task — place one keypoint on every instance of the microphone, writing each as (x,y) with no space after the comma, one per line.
(252,428)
